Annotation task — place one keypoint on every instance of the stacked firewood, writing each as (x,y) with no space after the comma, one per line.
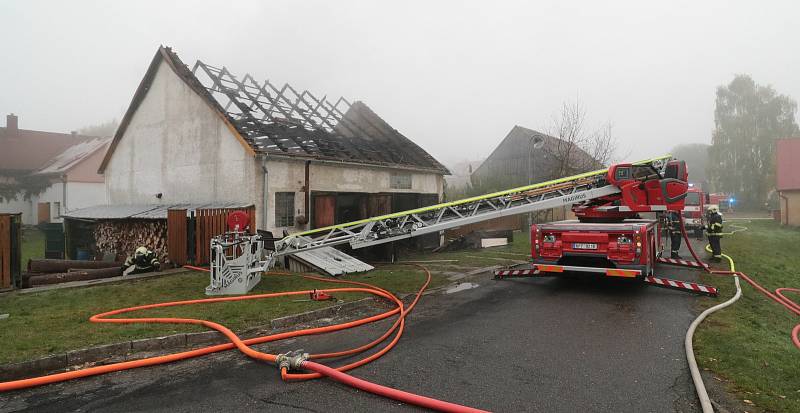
(122,238)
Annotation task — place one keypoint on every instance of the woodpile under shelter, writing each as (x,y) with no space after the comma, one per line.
(178,233)
(206,135)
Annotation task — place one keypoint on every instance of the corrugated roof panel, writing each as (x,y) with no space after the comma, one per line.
(332,261)
(74,154)
(109,211)
(152,211)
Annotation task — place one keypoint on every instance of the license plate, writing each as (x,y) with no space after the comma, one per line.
(584,246)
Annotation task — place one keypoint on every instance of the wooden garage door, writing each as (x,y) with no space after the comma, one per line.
(324,210)
(44,212)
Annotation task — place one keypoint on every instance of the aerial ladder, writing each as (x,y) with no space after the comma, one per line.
(238,258)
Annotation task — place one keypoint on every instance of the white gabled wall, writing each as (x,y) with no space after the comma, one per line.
(85,194)
(178,146)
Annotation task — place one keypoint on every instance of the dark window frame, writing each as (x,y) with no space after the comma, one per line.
(400,180)
(284,209)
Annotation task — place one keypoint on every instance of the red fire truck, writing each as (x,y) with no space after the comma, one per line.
(610,238)
(622,249)
(694,211)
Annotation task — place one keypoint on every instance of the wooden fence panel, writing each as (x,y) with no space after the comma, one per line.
(5,251)
(177,242)
(207,223)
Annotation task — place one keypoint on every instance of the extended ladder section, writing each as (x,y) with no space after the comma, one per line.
(421,221)
(238,259)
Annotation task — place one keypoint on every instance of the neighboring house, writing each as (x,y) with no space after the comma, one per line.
(526,156)
(204,135)
(787,174)
(43,174)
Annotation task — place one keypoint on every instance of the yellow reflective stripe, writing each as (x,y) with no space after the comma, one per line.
(614,272)
(550,268)
(472,199)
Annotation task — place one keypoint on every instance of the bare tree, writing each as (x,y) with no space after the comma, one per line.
(578,149)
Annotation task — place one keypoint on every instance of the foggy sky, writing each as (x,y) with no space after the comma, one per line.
(452,76)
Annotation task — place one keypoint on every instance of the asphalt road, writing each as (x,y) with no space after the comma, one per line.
(547,344)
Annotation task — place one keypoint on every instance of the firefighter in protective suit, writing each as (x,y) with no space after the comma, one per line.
(143,260)
(714,219)
(674,227)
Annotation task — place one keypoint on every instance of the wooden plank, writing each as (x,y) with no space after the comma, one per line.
(5,251)
(176,236)
(198,234)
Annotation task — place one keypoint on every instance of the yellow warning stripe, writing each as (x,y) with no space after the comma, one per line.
(615,272)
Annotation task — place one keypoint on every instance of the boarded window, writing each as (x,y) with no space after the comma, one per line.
(284,209)
(399,180)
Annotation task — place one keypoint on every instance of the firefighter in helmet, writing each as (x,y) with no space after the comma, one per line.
(143,260)
(714,219)
(674,227)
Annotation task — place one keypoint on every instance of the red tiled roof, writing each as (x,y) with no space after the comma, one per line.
(28,150)
(787,167)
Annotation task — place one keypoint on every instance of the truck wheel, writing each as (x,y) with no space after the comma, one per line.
(698,233)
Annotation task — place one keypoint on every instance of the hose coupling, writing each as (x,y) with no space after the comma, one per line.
(291,360)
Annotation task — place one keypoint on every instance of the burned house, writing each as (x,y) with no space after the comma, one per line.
(204,134)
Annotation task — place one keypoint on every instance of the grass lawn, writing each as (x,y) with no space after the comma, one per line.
(32,245)
(57,321)
(749,343)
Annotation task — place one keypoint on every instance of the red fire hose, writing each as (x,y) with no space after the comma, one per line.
(778,296)
(244,345)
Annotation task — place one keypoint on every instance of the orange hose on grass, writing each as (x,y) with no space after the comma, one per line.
(243,345)
(778,296)
(236,342)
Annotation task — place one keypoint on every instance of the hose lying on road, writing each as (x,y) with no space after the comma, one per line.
(702,394)
(244,345)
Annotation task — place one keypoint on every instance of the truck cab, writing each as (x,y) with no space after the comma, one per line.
(694,211)
(618,249)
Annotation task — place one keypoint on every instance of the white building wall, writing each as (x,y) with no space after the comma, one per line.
(52,195)
(85,194)
(178,146)
(19,205)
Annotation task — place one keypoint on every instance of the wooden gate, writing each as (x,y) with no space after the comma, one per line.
(177,246)
(189,233)
(10,251)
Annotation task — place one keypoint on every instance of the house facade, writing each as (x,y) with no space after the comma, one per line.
(44,174)
(787,174)
(205,135)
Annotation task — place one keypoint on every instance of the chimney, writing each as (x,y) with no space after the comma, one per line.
(12,122)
